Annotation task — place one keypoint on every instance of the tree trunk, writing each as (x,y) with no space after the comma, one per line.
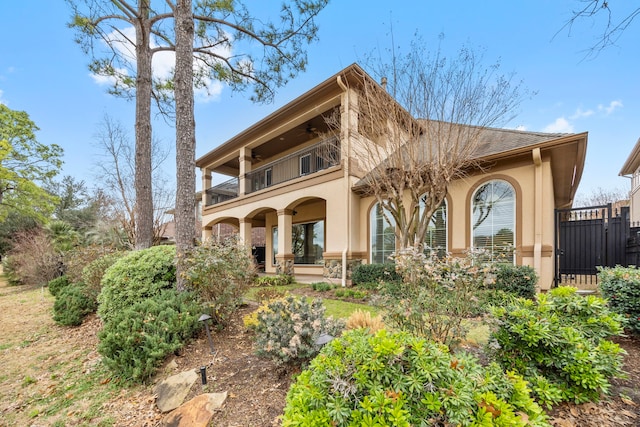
(144,198)
(185,215)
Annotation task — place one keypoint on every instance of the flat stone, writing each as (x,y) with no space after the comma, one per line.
(172,391)
(197,412)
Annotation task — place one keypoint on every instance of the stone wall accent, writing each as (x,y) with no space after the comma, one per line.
(333,268)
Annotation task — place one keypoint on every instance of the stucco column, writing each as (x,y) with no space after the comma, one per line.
(245,168)
(206,184)
(207,232)
(284,258)
(245,232)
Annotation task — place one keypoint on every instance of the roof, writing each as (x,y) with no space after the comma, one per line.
(633,161)
(567,153)
(310,98)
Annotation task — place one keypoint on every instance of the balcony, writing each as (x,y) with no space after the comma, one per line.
(310,160)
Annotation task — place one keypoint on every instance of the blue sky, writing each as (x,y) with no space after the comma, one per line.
(43,72)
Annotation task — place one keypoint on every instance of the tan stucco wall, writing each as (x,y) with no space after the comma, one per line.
(523,178)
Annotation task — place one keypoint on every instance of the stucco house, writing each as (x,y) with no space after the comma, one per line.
(304,189)
(631,169)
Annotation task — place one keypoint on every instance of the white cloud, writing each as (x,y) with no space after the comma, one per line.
(521,128)
(579,114)
(561,125)
(613,105)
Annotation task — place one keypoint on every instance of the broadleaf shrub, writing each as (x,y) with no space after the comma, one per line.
(287,329)
(621,287)
(437,295)
(402,380)
(135,277)
(57,284)
(372,275)
(520,280)
(220,273)
(139,337)
(73,303)
(277,280)
(559,344)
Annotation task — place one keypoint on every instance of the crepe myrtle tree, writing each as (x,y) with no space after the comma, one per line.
(421,128)
(231,45)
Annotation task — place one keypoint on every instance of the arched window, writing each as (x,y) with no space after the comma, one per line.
(493,224)
(436,238)
(383,237)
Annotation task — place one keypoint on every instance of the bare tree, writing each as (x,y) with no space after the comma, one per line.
(612,23)
(421,128)
(117,174)
(224,51)
(601,196)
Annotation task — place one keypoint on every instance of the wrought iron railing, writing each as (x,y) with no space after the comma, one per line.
(310,160)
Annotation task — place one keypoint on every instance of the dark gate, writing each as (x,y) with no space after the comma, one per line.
(587,238)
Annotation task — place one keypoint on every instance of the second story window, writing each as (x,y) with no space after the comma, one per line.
(305,164)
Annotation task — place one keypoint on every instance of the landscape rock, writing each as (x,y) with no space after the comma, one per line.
(197,412)
(172,391)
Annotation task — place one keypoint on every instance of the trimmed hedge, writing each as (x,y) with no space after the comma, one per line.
(520,280)
(374,274)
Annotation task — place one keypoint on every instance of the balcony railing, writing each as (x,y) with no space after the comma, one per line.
(222,192)
(313,159)
(310,160)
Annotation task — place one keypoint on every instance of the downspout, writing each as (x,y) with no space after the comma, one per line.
(346,180)
(537,207)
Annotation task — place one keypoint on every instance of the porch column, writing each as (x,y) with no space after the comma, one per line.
(206,184)
(284,258)
(245,232)
(245,167)
(207,232)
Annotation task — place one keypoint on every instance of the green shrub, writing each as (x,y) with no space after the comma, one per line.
(520,280)
(135,277)
(288,328)
(57,284)
(73,303)
(621,287)
(9,269)
(400,380)
(558,344)
(321,286)
(437,295)
(351,293)
(220,273)
(93,272)
(138,338)
(277,280)
(372,275)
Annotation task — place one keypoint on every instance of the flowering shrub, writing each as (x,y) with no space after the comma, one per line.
(621,287)
(220,273)
(288,328)
(558,344)
(436,295)
(401,380)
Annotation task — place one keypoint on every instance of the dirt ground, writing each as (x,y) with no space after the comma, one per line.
(50,376)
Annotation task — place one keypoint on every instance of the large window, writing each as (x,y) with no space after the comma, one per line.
(436,238)
(307,242)
(383,237)
(493,220)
